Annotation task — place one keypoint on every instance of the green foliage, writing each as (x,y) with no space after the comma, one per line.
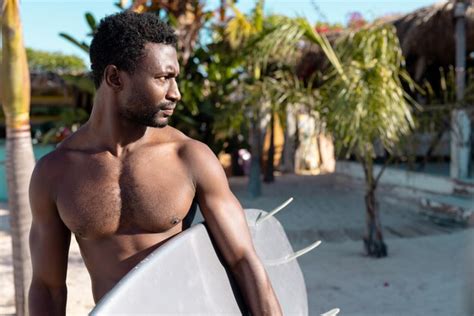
(207,84)
(92,22)
(81,45)
(435,114)
(276,44)
(242,30)
(364,95)
(268,44)
(444,92)
(267,85)
(278,91)
(43,61)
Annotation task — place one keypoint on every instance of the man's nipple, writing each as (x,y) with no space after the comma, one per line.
(175,220)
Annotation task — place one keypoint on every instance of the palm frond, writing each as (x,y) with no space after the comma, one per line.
(258,18)
(366,97)
(71,39)
(239,28)
(277,43)
(91,21)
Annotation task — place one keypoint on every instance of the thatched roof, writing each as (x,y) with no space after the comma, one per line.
(426,37)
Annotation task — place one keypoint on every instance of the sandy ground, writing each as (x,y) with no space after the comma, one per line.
(423,275)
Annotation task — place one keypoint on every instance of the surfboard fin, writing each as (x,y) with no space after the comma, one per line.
(295,255)
(273,212)
(332,312)
(304,250)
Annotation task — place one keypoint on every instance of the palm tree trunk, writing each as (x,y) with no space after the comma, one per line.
(373,239)
(255,183)
(269,167)
(20,163)
(289,147)
(20,160)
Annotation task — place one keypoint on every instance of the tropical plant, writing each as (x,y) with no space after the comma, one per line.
(15,87)
(363,97)
(253,36)
(92,23)
(434,117)
(367,104)
(242,31)
(276,95)
(208,84)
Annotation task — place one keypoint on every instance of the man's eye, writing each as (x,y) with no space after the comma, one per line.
(161,79)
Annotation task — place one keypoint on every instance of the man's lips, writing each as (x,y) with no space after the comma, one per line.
(168,109)
(167,112)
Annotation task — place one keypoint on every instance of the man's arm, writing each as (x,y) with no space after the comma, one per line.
(49,244)
(226,221)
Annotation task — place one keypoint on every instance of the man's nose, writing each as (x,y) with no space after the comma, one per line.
(173,92)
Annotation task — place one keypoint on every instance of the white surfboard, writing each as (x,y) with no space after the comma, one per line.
(187,275)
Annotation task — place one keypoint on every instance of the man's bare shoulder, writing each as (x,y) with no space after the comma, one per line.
(195,152)
(47,169)
(200,161)
(53,163)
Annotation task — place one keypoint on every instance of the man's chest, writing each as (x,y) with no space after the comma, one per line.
(98,198)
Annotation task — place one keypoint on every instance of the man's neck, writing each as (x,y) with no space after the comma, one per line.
(111,131)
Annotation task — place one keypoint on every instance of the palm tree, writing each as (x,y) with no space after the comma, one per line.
(241,31)
(249,35)
(368,104)
(19,151)
(364,101)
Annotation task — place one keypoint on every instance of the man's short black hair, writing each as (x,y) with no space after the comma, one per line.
(120,40)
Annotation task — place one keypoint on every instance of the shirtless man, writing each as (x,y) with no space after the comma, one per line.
(125,182)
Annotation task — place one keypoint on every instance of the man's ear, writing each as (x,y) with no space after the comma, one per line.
(112,77)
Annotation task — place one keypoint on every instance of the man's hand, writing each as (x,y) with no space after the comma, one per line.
(226,220)
(49,244)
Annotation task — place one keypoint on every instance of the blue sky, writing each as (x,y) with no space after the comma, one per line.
(44,20)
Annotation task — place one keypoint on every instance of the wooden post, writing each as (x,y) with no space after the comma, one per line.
(461,125)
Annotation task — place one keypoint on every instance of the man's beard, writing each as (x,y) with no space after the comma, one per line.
(148,116)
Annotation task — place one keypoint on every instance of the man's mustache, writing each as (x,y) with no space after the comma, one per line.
(167,105)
